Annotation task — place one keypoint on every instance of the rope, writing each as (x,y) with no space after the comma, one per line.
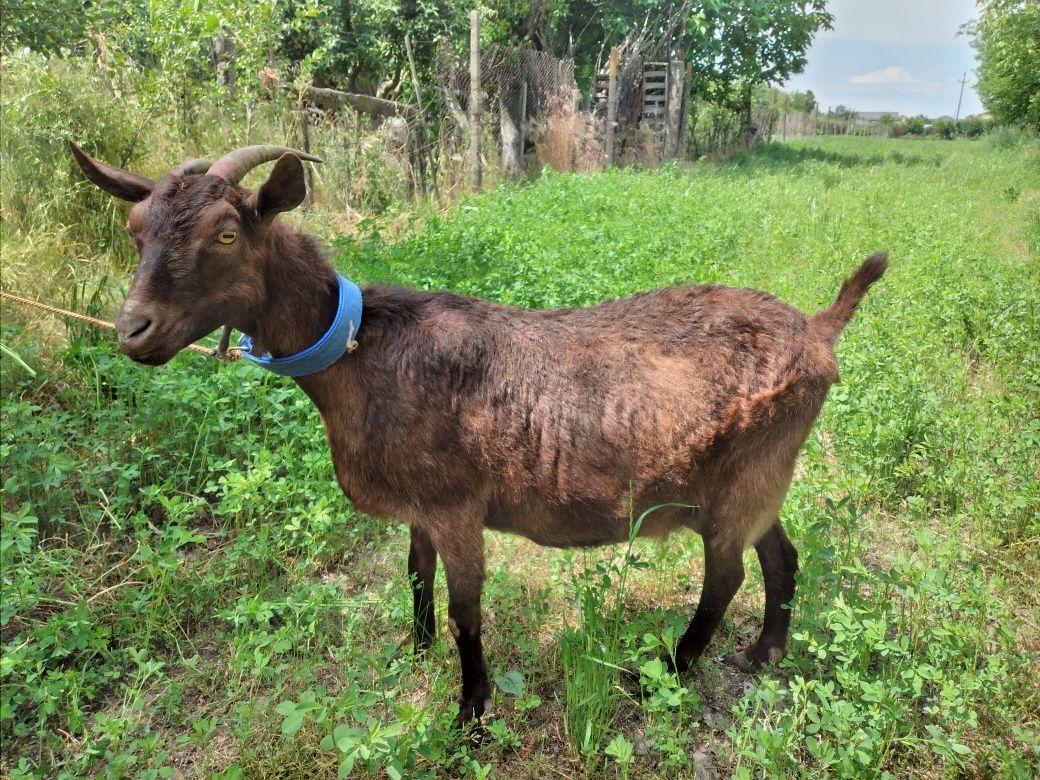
(230,355)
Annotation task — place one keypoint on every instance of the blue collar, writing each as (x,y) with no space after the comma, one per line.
(339,338)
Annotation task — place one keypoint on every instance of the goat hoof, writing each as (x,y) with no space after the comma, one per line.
(632,680)
(678,666)
(470,713)
(419,649)
(753,658)
(681,667)
(740,660)
(473,734)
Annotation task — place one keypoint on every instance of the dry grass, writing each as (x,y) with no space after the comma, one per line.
(569,139)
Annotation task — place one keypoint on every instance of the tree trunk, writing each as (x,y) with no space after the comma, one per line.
(223,60)
(673,109)
(747,127)
(509,125)
(684,113)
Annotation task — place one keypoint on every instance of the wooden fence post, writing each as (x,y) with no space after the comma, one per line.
(611,105)
(305,145)
(474,101)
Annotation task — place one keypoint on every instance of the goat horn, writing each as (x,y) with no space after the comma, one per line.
(114,181)
(191,167)
(234,165)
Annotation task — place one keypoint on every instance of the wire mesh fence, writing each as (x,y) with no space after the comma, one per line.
(527,97)
(529,113)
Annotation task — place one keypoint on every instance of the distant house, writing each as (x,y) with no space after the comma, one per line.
(866,118)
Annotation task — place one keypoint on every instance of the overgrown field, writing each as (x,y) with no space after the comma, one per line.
(187,593)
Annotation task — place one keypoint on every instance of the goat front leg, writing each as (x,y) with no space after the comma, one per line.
(422,568)
(779,561)
(225,341)
(723,574)
(463,557)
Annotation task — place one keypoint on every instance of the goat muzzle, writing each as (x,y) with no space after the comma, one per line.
(137,327)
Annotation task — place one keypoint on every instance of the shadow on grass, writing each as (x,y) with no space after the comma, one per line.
(776,156)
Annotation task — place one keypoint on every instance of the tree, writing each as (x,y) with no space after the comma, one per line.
(802,101)
(52,25)
(358,45)
(1007,40)
(735,44)
(944,127)
(899,128)
(972,126)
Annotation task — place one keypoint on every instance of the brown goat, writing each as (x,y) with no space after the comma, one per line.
(454,414)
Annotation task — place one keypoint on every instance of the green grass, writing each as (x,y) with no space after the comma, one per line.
(184,587)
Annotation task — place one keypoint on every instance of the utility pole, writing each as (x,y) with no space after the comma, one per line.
(957,118)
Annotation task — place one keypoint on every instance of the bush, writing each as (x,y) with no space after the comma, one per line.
(46,102)
(1004,137)
(944,127)
(916,125)
(973,126)
(899,128)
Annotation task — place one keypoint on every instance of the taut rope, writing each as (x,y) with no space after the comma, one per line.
(230,355)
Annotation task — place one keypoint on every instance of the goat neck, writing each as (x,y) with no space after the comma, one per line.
(300,296)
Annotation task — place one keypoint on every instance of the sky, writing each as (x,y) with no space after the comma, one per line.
(900,56)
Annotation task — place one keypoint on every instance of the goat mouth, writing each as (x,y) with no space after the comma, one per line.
(155,346)
(149,345)
(156,356)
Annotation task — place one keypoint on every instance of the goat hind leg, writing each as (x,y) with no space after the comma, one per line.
(723,574)
(422,567)
(779,560)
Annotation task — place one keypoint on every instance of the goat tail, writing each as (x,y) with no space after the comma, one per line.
(830,322)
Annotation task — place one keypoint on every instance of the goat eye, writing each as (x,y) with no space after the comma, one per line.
(227,237)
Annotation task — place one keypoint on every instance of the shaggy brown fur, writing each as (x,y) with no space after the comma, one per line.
(455,414)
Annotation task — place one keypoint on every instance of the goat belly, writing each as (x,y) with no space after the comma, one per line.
(583,526)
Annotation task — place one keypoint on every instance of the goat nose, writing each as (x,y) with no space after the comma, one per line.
(135,327)
(133,324)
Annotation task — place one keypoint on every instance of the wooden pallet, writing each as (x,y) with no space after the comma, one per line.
(599,93)
(655,92)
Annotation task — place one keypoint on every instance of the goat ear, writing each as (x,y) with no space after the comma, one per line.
(284,189)
(114,181)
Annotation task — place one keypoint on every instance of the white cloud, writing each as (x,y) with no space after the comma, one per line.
(896,77)
(890,75)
